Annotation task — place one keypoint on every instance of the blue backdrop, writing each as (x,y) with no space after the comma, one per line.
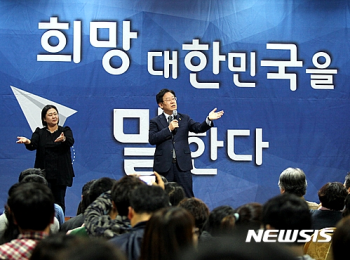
(279,70)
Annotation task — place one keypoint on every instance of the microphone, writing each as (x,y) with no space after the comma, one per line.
(174,118)
(175,114)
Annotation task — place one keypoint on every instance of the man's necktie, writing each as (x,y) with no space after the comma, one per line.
(170,118)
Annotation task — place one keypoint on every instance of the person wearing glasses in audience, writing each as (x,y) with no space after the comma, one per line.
(169,132)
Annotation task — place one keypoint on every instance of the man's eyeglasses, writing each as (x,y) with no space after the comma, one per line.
(171,99)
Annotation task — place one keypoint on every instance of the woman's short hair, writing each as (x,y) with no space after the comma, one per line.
(332,195)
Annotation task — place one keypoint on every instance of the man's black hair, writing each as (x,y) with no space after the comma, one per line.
(35,178)
(161,93)
(121,192)
(32,206)
(286,212)
(100,186)
(148,199)
(30,171)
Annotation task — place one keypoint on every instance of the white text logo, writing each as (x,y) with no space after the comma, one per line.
(289,236)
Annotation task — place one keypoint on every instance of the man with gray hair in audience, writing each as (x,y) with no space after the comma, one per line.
(293,181)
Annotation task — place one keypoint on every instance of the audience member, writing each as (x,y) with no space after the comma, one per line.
(341,239)
(8,229)
(346,211)
(199,211)
(84,202)
(332,196)
(293,180)
(141,225)
(144,201)
(98,188)
(221,221)
(175,191)
(37,199)
(30,171)
(288,212)
(39,178)
(78,220)
(250,216)
(50,247)
(116,203)
(168,231)
(92,249)
(347,182)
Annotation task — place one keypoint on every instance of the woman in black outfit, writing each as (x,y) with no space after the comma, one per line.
(52,144)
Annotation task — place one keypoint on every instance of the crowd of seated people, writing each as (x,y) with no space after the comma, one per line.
(127,219)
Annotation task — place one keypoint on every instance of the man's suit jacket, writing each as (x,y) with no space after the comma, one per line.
(160,135)
(325,218)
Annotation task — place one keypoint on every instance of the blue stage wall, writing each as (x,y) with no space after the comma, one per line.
(279,70)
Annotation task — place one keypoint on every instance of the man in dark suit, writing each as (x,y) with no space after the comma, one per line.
(169,132)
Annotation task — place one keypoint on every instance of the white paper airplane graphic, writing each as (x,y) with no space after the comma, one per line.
(32,105)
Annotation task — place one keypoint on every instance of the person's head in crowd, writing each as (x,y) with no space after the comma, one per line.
(11,230)
(332,195)
(85,200)
(35,198)
(347,182)
(221,221)
(234,247)
(35,178)
(144,201)
(346,211)
(168,231)
(99,187)
(250,216)
(50,247)
(293,180)
(286,212)
(121,190)
(164,179)
(30,171)
(92,249)
(175,191)
(341,239)
(198,209)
